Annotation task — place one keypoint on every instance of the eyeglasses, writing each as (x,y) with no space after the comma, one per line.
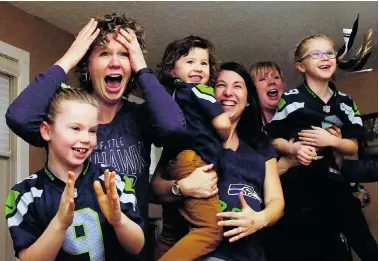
(317,54)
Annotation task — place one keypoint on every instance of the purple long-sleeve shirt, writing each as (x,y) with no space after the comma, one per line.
(123,143)
(28,110)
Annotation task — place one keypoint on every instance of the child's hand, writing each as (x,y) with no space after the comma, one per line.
(335,131)
(304,153)
(129,40)
(317,137)
(66,209)
(109,203)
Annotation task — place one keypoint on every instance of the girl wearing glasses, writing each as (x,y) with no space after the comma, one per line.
(314,213)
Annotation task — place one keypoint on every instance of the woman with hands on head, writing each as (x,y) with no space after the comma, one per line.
(248,186)
(107,55)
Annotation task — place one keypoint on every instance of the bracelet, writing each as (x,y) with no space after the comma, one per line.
(142,71)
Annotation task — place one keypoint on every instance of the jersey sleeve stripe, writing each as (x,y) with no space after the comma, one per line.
(22,206)
(129,198)
(203,95)
(124,197)
(351,114)
(203,88)
(290,108)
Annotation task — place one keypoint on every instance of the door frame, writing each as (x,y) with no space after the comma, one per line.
(21,157)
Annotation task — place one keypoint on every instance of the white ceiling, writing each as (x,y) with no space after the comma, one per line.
(245,32)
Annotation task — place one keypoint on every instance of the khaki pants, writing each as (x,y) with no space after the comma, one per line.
(204,233)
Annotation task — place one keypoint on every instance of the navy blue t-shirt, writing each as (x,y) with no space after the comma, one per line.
(33,203)
(122,146)
(199,107)
(243,170)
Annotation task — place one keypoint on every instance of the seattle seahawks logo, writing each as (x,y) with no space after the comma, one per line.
(235,189)
(133,178)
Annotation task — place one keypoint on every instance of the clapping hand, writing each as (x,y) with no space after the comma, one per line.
(110,202)
(66,209)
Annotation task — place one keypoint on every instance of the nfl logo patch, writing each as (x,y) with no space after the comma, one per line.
(326,108)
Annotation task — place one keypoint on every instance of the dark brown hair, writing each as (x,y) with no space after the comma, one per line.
(108,24)
(250,125)
(180,48)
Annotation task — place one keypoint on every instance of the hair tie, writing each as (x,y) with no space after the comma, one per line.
(65,86)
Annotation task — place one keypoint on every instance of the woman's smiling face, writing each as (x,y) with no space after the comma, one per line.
(231,92)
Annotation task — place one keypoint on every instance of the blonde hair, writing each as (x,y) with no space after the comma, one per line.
(262,68)
(68,94)
(301,47)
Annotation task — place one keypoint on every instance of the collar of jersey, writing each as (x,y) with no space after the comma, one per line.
(177,83)
(54,179)
(177,80)
(314,95)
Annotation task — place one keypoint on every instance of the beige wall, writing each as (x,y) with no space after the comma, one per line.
(363,88)
(45,43)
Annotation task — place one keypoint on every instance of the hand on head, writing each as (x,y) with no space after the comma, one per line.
(80,46)
(128,39)
(245,222)
(88,35)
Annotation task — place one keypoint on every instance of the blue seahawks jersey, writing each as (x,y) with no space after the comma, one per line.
(243,171)
(33,203)
(199,107)
(301,108)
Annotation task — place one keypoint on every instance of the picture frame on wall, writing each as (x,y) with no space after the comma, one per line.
(369,144)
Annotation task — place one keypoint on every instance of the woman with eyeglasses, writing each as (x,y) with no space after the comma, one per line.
(313,191)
